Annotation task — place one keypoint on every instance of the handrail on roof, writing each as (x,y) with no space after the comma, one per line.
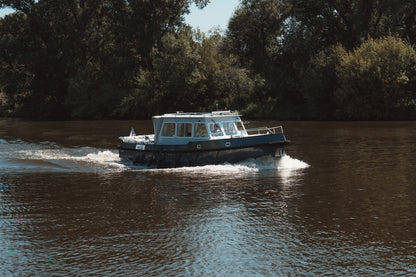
(214,113)
(225,112)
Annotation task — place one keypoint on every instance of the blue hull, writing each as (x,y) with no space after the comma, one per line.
(199,153)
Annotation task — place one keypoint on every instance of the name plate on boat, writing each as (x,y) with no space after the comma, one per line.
(140,146)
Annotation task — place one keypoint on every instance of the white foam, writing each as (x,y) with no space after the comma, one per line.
(247,166)
(75,159)
(105,158)
(102,157)
(290,168)
(44,154)
(70,154)
(287,162)
(211,169)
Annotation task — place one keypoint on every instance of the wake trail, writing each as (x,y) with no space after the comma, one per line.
(22,156)
(47,156)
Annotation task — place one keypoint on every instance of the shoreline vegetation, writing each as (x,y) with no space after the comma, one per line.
(278,59)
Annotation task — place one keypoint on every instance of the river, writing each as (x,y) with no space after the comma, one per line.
(342,202)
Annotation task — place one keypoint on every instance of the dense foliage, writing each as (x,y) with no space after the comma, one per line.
(312,59)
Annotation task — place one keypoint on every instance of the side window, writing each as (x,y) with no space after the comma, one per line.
(200,130)
(240,126)
(168,130)
(229,128)
(184,129)
(215,130)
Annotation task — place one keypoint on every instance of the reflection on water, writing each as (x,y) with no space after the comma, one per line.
(339,204)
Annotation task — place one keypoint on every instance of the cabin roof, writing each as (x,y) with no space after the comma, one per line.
(197,115)
(181,117)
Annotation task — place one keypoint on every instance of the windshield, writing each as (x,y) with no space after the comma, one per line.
(215,130)
(229,128)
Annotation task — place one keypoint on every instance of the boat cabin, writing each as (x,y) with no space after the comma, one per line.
(196,139)
(180,128)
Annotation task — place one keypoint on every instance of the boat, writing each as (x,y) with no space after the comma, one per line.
(184,139)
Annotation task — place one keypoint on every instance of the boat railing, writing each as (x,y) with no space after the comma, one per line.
(265,130)
(142,139)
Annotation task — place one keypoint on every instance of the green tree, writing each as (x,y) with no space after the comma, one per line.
(376,80)
(139,25)
(321,82)
(349,22)
(189,73)
(15,76)
(79,58)
(56,40)
(290,44)
(257,34)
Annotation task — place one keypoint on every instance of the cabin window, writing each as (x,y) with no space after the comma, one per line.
(239,125)
(168,130)
(200,130)
(229,128)
(184,129)
(215,130)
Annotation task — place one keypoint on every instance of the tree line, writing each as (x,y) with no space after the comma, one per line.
(286,59)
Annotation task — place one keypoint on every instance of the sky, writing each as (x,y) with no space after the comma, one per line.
(5,11)
(215,14)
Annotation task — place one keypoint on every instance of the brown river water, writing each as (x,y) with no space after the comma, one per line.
(342,202)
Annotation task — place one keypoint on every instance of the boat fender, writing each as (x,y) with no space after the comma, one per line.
(227,144)
(198,146)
